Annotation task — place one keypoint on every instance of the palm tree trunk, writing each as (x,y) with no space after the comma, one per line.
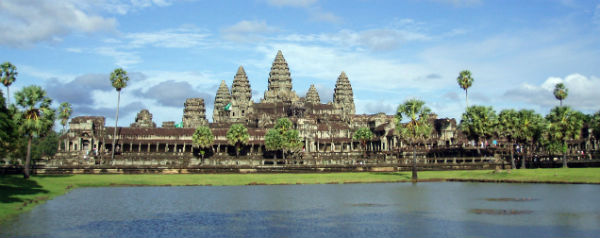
(466,99)
(512,157)
(7,96)
(560,102)
(283,154)
(523,158)
(564,156)
(237,149)
(414,164)
(27,159)
(112,156)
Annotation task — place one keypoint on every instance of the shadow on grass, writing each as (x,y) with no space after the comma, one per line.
(406,176)
(12,186)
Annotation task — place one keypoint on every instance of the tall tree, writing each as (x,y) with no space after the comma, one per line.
(273,141)
(363,135)
(417,129)
(289,136)
(203,138)
(119,79)
(508,123)
(465,81)
(561,92)
(35,118)
(531,128)
(595,125)
(7,128)
(64,113)
(479,123)
(237,135)
(565,125)
(8,75)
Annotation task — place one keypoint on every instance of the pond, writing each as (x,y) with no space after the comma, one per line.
(328,210)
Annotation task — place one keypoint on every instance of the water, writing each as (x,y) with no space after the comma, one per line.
(342,210)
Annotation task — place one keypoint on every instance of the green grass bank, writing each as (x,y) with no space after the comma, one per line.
(18,195)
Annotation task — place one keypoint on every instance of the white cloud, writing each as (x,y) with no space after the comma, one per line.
(24,23)
(246,30)
(583,92)
(317,14)
(122,58)
(74,50)
(291,3)
(377,39)
(182,37)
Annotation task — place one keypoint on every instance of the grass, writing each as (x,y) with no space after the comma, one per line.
(18,195)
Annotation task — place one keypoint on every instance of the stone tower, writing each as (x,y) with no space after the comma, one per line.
(222,99)
(143,119)
(194,113)
(312,96)
(241,95)
(343,98)
(280,82)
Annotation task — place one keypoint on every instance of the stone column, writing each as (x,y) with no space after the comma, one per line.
(139,147)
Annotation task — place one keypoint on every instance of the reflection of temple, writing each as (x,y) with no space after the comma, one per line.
(326,128)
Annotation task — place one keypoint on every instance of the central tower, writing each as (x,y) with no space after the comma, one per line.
(280,82)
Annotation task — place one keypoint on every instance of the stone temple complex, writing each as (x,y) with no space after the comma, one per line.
(326,129)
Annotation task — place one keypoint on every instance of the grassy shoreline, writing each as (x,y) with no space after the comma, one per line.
(18,195)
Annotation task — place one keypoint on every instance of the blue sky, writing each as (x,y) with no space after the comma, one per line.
(390,50)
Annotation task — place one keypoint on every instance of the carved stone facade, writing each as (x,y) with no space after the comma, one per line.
(194,113)
(312,96)
(144,120)
(343,97)
(280,82)
(222,100)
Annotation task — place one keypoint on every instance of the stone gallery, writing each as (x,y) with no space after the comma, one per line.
(326,130)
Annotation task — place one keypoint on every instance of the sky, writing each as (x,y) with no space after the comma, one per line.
(391,51)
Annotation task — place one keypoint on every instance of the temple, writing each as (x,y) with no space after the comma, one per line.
(326,129)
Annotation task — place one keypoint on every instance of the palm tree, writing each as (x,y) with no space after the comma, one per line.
(561,92)
(7,128)
(479,123)
(564,125)
(465,81)
(64,112)
(119,79)
(35,117)
(237,135)
(508,127)
(203,138)
(8,74)
(531,127)
(363,135)
(418,128)
(595,125)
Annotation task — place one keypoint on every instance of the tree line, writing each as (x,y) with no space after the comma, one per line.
(30,120)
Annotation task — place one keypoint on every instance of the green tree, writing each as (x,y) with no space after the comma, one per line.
(531,128)
(595,125)
(203,138)
(35,117)
(8,74)
(565,125)
(363,135)
(119,79)
(561,92)
(479,123)
(237,135)
(465,81)
(64,113)
(290,137)
(273,141)
(417,129)
(508,127)
(7,128)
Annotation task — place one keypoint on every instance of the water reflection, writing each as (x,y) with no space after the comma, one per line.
(396,209)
